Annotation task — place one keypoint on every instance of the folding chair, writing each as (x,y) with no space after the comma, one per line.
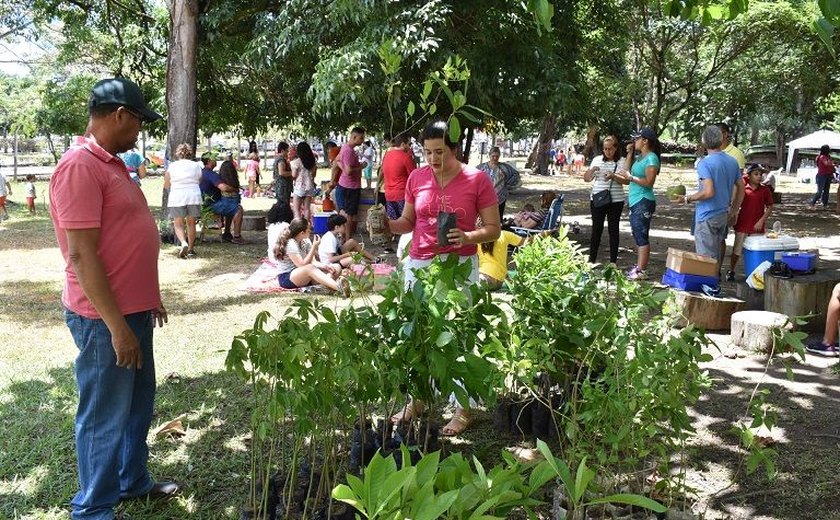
(551,222)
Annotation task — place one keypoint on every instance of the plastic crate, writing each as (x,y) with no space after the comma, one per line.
(687,282)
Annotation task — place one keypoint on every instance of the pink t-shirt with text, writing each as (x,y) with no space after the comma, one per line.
(468,193)
(351,173)
(92,189)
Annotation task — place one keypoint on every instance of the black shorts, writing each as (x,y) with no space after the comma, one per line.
(347,199)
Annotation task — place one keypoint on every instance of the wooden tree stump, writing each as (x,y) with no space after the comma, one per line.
(253,223)
(753,330)
(705,311)
(754,299)
(801,295)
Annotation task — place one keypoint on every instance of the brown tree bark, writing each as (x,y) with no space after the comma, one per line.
(181,88)
(468,144)
(593,142)
(547,128)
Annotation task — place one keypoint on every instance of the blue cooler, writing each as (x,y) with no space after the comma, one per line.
(319,222)
(758,249)
(687,282)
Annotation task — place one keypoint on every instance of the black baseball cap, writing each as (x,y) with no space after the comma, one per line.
(646,133)
(120,91)
(756,166)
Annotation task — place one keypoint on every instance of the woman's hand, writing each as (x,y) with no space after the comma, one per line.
(457,237)
(631,147)
(316,239)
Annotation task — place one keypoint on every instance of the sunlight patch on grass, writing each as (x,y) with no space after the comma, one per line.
(25,484)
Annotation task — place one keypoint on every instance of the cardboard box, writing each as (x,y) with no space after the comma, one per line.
(684,262)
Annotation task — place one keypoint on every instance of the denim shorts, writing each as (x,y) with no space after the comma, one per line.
(226,206)
(641,213)
(285,280)
(347,199)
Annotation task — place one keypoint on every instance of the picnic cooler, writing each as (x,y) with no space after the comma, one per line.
(319,222)
(687,282)
(758,249)
(803,261)
(684,262)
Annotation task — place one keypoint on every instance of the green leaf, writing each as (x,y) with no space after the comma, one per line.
(825,30)
(410,109)
(427,89)
(346,495)
(630,499)
(454,129)
(444,338)
(582,479)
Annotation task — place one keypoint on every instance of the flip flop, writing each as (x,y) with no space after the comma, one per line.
(456,425)
(409,412)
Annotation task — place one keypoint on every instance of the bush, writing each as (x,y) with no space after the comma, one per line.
(626,379)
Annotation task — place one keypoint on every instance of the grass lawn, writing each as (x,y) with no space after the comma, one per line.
(37,388)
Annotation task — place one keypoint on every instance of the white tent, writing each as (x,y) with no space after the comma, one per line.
(812,142)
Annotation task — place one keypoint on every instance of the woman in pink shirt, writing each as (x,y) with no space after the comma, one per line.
(445,185)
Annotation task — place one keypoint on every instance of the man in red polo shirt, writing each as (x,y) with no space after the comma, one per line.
(397,164)
(110,244)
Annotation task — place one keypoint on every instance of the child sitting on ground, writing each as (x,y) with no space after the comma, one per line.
(756,208)
(333,251)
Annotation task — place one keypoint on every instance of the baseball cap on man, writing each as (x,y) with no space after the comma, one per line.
(756,166)
(120,91)
(646,133)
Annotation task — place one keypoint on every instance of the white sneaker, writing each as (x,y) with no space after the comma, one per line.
(183,252)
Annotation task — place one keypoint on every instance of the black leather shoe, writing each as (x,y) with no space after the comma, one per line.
(160,491)
(163,489)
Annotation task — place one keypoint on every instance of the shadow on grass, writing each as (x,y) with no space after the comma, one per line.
(807,425)
(31,302)
(38,474)
(25,232)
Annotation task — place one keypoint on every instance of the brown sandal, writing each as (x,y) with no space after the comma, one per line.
(459,422)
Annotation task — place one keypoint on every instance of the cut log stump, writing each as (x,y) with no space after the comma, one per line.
(801,295)
(754,299)
(253,223)
(753,330)
(705,311)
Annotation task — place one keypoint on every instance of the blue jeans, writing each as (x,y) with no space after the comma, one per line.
(823,186)
(113,418)
(641,213)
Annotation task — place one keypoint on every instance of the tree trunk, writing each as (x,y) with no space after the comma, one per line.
(780,147)
(540,161)
(181,98)
(468,144)
(754,135)
(593,144)
(51,147)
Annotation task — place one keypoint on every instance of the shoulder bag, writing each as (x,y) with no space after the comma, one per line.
(603,197)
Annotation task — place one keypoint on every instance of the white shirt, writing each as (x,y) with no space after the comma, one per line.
(328,247)
(3,191)
(286,265)
(600,182)
(274,231)
(184,176)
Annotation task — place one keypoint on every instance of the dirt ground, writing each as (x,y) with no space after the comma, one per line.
(807,437)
